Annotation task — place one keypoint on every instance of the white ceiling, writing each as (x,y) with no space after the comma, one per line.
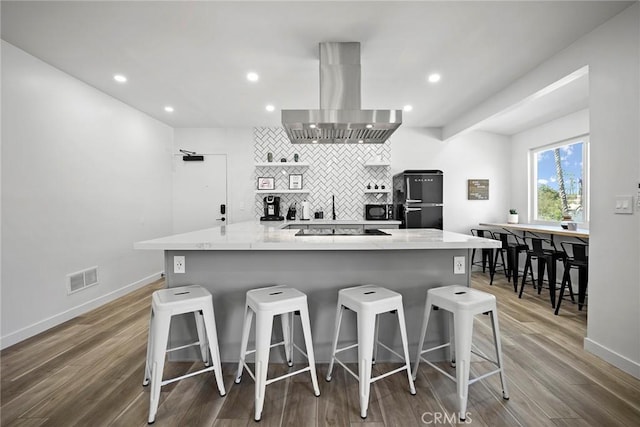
(558,101)
(195,55)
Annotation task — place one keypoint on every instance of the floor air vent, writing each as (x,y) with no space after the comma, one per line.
(82,279)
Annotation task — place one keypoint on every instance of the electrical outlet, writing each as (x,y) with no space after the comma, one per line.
(458,264)
(178,264)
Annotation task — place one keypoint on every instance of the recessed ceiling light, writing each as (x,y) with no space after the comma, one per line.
(252,77)
(407,108)
(168,109)
(369,126)
(315,141)
(360,141)
(434,78)
(119,78)
(312,126)
(270,107)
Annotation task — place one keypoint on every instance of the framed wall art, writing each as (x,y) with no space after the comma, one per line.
(266,183)
(295,181)
(478,189)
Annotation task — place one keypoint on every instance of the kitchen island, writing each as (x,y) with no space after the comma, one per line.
(232,259)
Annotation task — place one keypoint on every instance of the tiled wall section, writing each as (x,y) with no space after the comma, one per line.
(333,170)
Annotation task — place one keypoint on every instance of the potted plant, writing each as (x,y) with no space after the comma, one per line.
(512,218)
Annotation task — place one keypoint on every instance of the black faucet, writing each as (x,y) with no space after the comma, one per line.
(333,206)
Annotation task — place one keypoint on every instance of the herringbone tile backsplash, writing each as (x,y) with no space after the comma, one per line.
(333,170)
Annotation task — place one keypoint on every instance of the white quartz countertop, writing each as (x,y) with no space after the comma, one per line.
(254,235)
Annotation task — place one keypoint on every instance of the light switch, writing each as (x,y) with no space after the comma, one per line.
(624,205)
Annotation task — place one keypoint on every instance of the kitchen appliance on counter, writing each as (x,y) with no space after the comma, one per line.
(291,213)
(271,209)
(417,198)
(378,212)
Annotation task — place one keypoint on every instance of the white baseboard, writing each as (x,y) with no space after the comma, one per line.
(41,326)
(619,361)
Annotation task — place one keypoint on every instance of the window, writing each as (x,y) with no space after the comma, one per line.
(560,184)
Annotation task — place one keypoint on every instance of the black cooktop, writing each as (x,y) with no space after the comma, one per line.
(341,232)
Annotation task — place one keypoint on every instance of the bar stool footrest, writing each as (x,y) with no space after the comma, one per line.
(353,374)
(386,374)
(439,369)
(290,374)
(191,374)
(197,343)
(485,357)
(392,351)
(471,381)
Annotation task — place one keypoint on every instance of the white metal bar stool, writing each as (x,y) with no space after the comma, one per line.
(170,302)
(267,303)
(463,304)
(368,301)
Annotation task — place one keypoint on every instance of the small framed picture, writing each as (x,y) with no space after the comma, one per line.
(266,183)
(477,189)
(295,181)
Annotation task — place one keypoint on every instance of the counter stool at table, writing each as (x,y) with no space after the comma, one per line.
(579,259)
(368,302)
(267,303)
(514,245)
(487,254)
(547,255)
(165,304)
(463,304)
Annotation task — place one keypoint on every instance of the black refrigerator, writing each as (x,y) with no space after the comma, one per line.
(417,198)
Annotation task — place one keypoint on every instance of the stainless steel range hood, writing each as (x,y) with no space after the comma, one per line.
(340,119)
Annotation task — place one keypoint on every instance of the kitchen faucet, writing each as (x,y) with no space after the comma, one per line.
(333,206)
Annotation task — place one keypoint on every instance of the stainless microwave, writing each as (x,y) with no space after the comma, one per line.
(378,212)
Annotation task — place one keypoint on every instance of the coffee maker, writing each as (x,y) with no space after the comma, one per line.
(271,209)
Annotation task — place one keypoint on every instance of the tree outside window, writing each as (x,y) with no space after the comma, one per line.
(560,184)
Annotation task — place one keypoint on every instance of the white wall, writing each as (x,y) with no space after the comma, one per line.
(474,155)
(612,52)
(614,273)
(237,144)
(563,128)
(83,177)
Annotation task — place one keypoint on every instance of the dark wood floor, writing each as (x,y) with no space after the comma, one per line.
(88,372)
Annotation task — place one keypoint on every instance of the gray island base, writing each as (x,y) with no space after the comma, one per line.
(407,261)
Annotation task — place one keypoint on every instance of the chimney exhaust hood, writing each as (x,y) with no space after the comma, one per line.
(340,119)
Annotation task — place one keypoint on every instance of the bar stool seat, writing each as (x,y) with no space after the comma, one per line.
(369,301)
(165,304)
(463,304)
(267,303)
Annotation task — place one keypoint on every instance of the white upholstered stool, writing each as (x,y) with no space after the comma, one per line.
(170,302)
(463,304)
(368,301)
(267,303)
